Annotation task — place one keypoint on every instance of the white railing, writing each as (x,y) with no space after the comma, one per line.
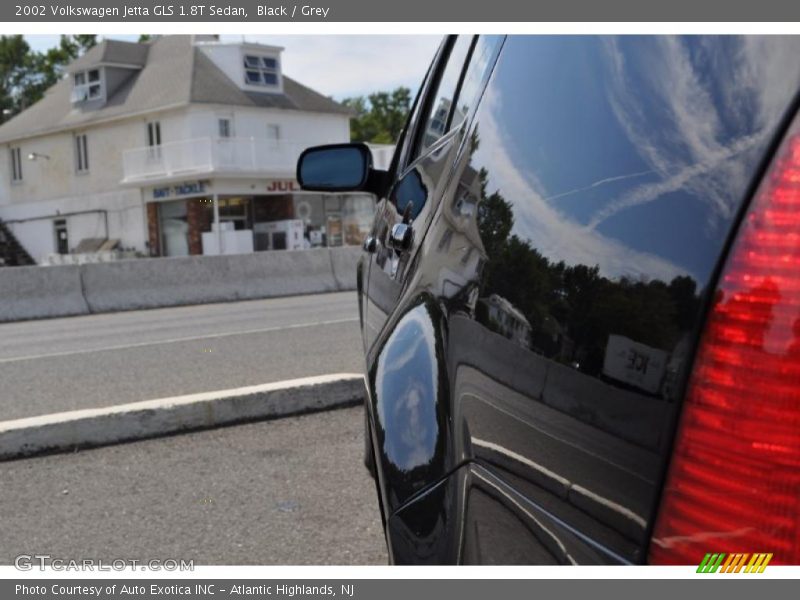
(211,155)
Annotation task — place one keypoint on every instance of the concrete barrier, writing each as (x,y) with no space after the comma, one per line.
(344,262)
(40,292)
(629,415)
(133,285)
(625,414)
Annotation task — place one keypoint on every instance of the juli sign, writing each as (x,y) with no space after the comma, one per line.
(283,185)
(180,190)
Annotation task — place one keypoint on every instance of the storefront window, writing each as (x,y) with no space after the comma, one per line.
(334,229)
(357,214)
(335,220)
(174,228)
(277,221)
(235,210)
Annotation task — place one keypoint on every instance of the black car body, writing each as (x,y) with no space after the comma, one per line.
(544,294)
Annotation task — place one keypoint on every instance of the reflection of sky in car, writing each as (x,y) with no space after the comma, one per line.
(633,152)
(410,192)
(406,386)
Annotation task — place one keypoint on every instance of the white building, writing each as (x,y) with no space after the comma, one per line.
(508,320)
(152,144)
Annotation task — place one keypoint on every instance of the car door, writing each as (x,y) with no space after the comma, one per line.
(568,268)
(406,421)
(422,160)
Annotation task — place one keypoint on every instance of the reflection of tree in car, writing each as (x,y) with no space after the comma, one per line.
(495,217)
(573,309)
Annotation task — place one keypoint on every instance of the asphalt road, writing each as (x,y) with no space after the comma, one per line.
(92,361)
(289,491)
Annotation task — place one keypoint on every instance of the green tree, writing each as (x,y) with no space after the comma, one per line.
(51,64)
(25,74)
(14,69)
(495,217)
(380,117)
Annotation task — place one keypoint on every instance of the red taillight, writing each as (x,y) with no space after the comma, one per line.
(734,481)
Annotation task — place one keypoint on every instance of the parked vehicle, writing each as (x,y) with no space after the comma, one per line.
(580,302)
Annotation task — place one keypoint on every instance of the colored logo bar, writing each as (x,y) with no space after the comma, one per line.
(734,563)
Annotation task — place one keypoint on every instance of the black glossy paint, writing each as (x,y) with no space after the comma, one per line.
(526,356)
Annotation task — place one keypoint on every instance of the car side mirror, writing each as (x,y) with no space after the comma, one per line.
(339,168)
(334,168)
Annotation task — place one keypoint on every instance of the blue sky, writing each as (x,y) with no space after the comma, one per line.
(632,153)
(336,65)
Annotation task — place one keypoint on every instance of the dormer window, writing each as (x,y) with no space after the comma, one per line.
(260,70)
(87,85)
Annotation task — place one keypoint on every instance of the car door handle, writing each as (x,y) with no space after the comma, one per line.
(370,244)
(401,237)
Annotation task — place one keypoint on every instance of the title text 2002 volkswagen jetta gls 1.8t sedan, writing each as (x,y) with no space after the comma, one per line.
(580,302)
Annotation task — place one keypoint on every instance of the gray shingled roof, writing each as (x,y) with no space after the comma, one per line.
(211,85)
(175,73)
(112,52)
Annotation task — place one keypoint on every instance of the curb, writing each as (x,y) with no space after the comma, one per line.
(139,420)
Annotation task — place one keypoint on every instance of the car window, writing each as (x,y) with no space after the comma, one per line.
(410,193)
(481,61)
(404,142)
(440,102)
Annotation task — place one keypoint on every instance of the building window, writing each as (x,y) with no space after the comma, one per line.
(273,132)
(260,70)
(87,85)
(81,153)
(16,164)
(154,134)
(154,140)
(62,239)
(224,128)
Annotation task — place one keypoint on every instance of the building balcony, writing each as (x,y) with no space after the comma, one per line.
(229,157)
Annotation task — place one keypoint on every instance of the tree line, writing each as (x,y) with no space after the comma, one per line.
(25,74)
(379,117)
(576,301)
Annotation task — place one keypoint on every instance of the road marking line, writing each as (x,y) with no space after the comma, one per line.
(140,420)
(562,481)
(544,471)
(83,413)
(176,340)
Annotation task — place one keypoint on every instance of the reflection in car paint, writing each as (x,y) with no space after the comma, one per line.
(407,381)
(409,196)
(569,255)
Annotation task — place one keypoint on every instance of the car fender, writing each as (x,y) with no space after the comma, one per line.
(409,403)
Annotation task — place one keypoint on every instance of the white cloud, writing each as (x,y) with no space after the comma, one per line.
(550,231)
(699,138)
